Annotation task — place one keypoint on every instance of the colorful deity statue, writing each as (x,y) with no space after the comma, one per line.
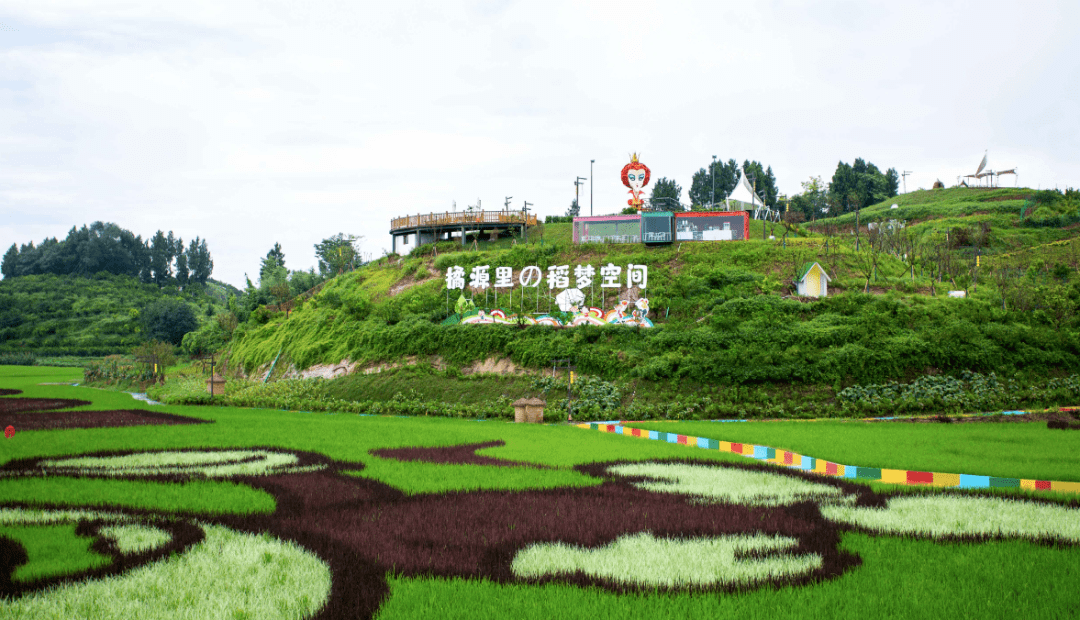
(635,175)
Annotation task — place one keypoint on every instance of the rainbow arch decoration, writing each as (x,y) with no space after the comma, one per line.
(827,468)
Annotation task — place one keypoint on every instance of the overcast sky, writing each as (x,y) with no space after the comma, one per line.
(249,123)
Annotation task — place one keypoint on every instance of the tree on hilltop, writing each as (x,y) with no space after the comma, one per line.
(706,191)
(10,265)
(861,184)
(272,269)
(199,261)
(665,195)
(338,254)
(763,181)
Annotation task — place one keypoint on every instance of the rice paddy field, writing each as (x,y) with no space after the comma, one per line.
(113,508)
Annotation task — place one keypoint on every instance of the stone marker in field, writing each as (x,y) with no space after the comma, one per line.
(529,410)
(215,384)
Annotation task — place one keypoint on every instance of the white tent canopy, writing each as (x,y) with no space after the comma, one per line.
(742,191)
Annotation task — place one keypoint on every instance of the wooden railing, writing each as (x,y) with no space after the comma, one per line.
(463,218)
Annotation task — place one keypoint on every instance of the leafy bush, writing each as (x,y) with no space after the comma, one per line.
(168,320)
(24,358)
(211,337)
(314,395)
(117,369)
(971,392)
(592,397)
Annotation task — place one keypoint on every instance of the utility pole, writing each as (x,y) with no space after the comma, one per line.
(506,205)
(906,172)
(712,173)
(591,162)
(754,192)
(525,226)
(578,182)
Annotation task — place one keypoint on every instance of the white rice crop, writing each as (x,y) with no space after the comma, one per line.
(728,484)
(136,538)
(951,515)
(228,575)
(211,464)
(644,560)
(20,516)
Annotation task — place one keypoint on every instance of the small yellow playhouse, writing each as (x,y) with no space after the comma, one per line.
(813,282)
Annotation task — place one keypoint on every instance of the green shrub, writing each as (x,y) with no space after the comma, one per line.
(168,320)
(23,358)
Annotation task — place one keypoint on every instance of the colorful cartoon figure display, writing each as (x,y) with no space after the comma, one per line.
(635,175)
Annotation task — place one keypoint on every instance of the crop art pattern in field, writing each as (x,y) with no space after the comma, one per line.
(334,536)
(28,414)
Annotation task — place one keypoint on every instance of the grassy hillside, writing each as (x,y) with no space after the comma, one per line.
(725,312)
(1013,216)
(71,315)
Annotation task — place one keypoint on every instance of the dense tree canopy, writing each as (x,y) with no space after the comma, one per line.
(861,184)
(763,181)
(272,269)
(105,247)
(665,195)
(338,254)
(168,320)
(809,204)
(704,193)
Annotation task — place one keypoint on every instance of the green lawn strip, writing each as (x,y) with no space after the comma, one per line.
(1005,450)
(229,575)
(28,377)
(415,477)
(52,550)
(899,578)
(197,496)
(29,380)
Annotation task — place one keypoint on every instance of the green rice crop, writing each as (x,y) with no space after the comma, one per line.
(52,550)
(196,496)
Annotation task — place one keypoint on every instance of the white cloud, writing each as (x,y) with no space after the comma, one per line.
(248,123)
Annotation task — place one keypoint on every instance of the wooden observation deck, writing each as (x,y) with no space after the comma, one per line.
(434,227)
